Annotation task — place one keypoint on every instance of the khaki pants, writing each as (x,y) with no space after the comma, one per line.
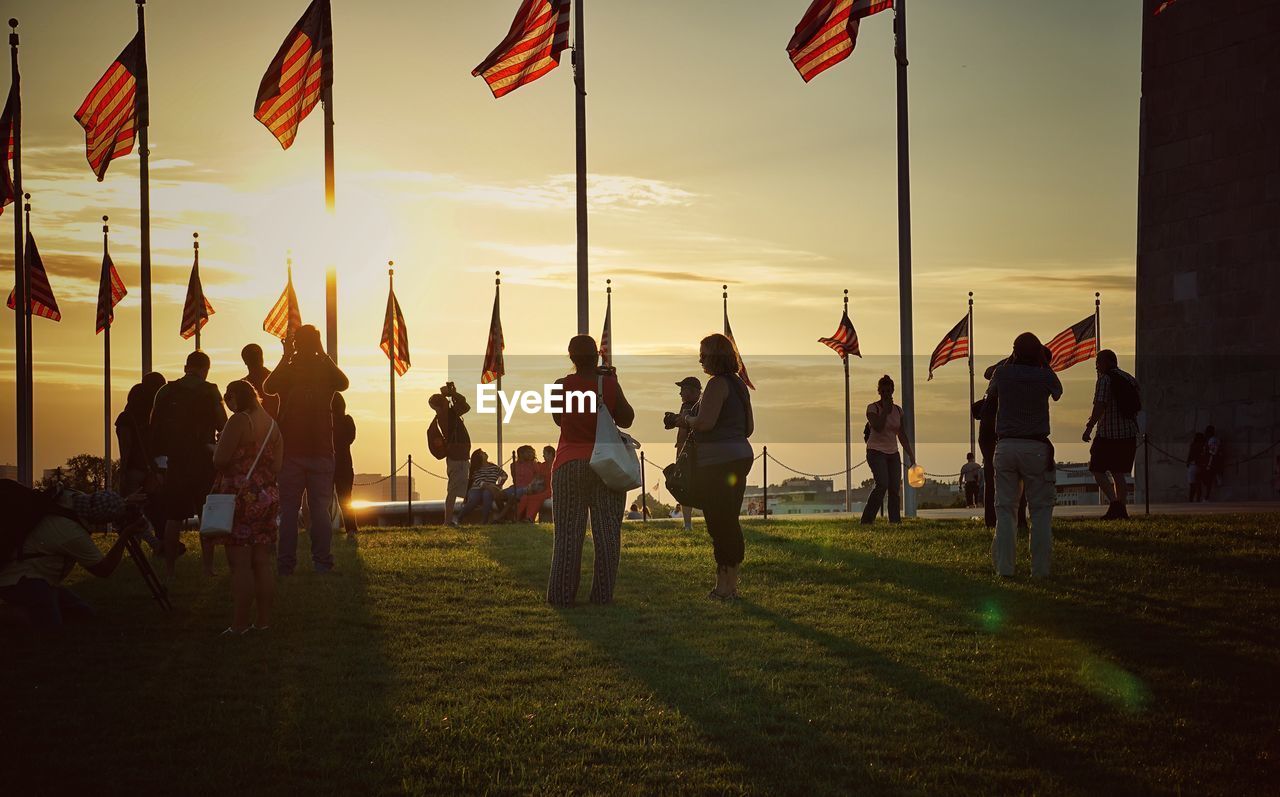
(1023,465)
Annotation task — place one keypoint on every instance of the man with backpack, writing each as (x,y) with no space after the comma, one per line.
(448,439)
(1116,404)
(43,538)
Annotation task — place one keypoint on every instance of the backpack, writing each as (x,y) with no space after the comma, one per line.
(24,509)
(436,442)
(1128,400)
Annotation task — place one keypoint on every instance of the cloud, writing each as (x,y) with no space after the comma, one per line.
(558,193)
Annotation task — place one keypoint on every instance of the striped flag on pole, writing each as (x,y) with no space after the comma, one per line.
(742,367)
(7,193)
(285,317)
(39,291)
(300,72)
(110,291)
(844,341)
(954,346)
(828,32)
(493,363)
(395,336)
(196,309)
(1075,344)
(606,337)
(1163,7)
(531,48)
(109,115)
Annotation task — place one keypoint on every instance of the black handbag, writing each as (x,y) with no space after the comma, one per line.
(681,476)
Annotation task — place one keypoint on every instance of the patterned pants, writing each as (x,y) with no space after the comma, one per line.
(578,490)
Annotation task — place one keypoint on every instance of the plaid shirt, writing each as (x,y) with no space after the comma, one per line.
(1113,425)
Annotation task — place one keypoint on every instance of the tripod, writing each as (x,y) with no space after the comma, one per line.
(139,557)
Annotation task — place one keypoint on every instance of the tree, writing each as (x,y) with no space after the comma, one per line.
(83,473)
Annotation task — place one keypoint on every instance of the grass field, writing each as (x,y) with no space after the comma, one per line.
(858,662)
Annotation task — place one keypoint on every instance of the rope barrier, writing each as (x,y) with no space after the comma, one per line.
(814,475)
(1232,464)
(380,481)
(429,473)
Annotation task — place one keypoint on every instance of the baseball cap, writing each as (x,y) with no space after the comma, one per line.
(690,381)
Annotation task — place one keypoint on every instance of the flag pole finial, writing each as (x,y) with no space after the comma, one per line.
(105,229)
(391,268)
(608,286)
(497,278)
(846,300)
(13,23)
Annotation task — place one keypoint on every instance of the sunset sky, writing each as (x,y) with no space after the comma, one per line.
(711,162)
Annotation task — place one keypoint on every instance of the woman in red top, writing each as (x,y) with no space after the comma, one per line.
(539,488)
(578,489)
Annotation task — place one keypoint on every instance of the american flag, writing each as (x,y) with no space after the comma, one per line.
(299,74)
(1163,7)
(11,105)
(955,346)
(844,341)
(1075,344)
(531,49)
(196,309)
(39,292)
(828,32)
(395,336)
(109,115)
(493,364)
(110,291)
(742,367)
(285,317)
(606,337)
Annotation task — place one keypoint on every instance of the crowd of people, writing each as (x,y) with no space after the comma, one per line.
(280,439)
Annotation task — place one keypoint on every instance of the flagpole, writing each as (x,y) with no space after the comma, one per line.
(22,398)
(106,379)
(28,373)
(144,180)
(904,247)
(848,426)
(391,363)
(330,204)
(497,290)
(1097,319)
(973,435)
(580,108)
(195,245)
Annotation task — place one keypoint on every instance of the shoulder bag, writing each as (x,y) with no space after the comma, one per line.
(219,515)
(614,457)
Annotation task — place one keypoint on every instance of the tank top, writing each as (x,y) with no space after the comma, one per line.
(578,429)
(886,440)
(727,440)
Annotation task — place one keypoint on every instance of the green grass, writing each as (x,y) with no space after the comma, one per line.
(859,662)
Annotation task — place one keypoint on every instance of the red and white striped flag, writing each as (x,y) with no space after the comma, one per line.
(1163,7)
(299,74)
(606,337)
(493,363)
(285,316)
(395,336)
(844,341)
(742,367)
(954,346)
(39,292)
(1075,344)
(109,115)
(531,49)
(196,309)
(828,32)
(110,291)
(7,192)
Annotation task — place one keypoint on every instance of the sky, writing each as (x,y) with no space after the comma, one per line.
(710,162)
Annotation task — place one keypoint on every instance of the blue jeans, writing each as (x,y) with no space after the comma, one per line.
(887,470)
(477,497)
(46,606)
(314,475)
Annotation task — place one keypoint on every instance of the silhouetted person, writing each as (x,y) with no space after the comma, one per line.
(305,380)
(344,472)
(1210,462)
(1024,456)
(1195,454)
(138,469)
(987,408)
(885,419)
(971,480)
(185,422)
(1115,415)
(251,355)
(690,395)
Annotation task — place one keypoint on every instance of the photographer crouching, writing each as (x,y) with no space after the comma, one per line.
(43,537)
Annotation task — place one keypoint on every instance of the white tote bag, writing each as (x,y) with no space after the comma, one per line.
(614,457)
(219,515)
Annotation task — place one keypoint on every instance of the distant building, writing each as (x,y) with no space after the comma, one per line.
(375,487)
(800,496)
(1076,485)
(1208,269)
(9,472)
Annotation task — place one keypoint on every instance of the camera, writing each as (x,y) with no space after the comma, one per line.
(670,420)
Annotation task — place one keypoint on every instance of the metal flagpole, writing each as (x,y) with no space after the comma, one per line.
(195,245)
(330,203)
(106,380)
(848,427)
(497,290)
(904,248)
(644,494)
(28,372)
(1097,320)
(391,362)
(580,107)
(973,433)
(144,180)
(22,397)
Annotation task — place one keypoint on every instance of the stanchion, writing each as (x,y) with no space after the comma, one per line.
(644,497)
(410,490)
(764,458)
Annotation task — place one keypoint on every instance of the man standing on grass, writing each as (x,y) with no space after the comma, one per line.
(971,477)
(448,426)
(1116,403)
(690,395)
